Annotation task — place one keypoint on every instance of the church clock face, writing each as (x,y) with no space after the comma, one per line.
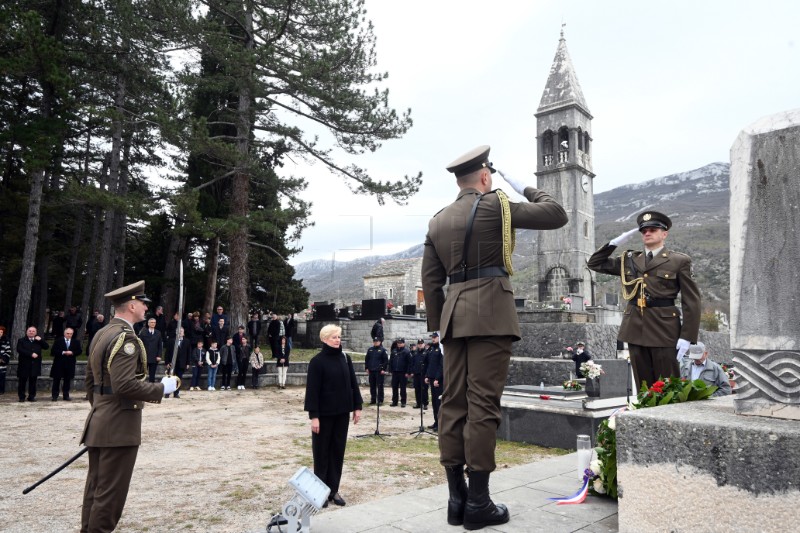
(585,183)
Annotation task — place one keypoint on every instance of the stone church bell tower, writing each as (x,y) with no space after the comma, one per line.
(564,170)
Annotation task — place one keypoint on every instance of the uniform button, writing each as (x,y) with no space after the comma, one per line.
(666,275)
(645,275)
(674,314)
(644,284)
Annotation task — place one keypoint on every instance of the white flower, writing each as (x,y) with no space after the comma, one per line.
(597,485)
(612,422)
(595,466)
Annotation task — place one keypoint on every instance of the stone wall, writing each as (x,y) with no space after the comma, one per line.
(549,340)
(356,333)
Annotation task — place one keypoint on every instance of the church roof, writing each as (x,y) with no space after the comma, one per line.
(562,86)
(397,267)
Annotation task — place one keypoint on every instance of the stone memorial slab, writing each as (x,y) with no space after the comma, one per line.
(765,280)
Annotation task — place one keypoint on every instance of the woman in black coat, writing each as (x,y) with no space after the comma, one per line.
(332,393)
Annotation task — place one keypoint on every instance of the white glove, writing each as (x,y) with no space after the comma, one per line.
(515,184)
(624,237)
(682,347)
(170,384)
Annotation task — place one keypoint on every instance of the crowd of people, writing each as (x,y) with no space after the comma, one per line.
(204,346)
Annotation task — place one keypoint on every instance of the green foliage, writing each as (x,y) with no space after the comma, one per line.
(662,392)
(709,321)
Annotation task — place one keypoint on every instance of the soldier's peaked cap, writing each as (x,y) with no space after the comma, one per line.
(653,219)
(475,159)
(134,291)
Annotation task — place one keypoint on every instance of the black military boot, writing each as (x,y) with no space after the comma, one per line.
(458,494)
(480,510)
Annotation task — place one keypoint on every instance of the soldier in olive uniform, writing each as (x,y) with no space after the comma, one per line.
(468,246)
(651,280)
(117,389)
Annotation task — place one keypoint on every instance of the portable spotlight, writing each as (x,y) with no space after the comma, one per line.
(310,494)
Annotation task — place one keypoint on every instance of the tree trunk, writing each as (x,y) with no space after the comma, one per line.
(91,262)
(121,220)
(176,251)
(23,301)
(212,267)
(107,248)
(77,236)
(239,272)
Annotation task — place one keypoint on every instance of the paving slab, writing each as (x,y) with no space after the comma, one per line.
(525,489)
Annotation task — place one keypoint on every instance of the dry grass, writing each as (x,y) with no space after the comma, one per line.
(211,461)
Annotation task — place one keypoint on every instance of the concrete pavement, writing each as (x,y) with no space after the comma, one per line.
(524,489)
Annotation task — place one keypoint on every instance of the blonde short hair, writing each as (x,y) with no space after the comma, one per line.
(326,332)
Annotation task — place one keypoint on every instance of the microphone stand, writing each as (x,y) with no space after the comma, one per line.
(422,429)
(377,425)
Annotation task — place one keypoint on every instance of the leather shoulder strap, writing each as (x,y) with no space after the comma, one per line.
(468,234)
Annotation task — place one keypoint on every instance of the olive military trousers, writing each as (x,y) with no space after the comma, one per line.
(107,482)
(475,372)
(653,363)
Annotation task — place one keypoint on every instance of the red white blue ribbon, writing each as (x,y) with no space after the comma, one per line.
(579,496)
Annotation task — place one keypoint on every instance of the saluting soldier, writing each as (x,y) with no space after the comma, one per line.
(117,389)
(468,246)
(651,280)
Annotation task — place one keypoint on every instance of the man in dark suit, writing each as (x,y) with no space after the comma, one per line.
(253,330)
(468,247)
(151,338)
(275,331)
(377,329)
(29,368)
(65,351)
(117,391)
(98,323)
(651,280)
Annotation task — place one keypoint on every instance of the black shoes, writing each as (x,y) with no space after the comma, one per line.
(480,510)
(68,399)
(402,405)
(373,402)
(393,404)
(31,399)
(55,398)
(337,499)
(425,407)
(416,406)
(458,494)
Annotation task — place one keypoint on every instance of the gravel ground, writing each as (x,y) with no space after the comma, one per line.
(210,461)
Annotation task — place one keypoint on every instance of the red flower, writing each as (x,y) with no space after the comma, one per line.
(659,384)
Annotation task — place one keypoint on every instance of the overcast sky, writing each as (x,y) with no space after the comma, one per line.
(669,84)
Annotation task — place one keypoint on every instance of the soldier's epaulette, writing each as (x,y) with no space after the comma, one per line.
(678,253)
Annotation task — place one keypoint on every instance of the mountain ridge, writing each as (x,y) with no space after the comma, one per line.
(697,201)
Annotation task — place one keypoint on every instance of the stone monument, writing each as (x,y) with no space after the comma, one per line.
(765,280)
(701,466)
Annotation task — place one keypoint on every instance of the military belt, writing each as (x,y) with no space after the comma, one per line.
(103,390)
(477,273)
(656,302)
